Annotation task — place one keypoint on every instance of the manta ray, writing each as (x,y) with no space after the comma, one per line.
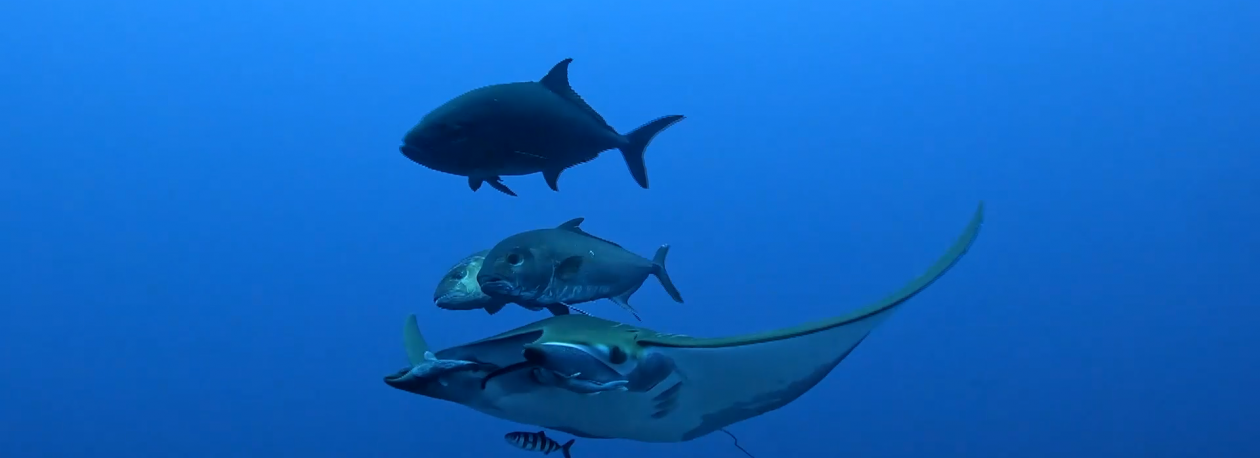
(595,378)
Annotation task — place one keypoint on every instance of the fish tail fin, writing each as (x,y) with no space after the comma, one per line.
(565,448)
(636,143)
(658,262)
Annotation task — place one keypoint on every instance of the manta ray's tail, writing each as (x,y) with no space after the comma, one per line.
(736,439)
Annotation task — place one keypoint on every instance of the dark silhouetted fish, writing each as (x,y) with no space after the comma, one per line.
(520,129)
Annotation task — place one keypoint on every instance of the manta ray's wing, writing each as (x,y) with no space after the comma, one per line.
(726,380)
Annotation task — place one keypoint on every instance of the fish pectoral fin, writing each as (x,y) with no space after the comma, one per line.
(568,268)
(497,184)
(552,176)
(624,301)
(558,309)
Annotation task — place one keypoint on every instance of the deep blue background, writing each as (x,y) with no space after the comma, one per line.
(209,241)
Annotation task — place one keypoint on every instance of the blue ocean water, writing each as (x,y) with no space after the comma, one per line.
(209,241)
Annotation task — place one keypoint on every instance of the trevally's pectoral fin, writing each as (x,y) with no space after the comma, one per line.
(557,309)
(497,183)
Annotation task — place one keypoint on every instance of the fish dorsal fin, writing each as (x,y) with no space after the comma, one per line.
(557,81)
(573,226)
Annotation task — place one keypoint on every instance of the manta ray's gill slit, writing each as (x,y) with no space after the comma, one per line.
(736,439)
(666,401)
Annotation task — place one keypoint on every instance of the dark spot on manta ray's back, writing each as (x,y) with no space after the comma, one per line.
(523,128)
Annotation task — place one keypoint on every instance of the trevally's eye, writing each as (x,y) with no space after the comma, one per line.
(458,275)
(515,259)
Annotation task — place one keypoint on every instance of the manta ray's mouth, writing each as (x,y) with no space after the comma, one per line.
(396,378)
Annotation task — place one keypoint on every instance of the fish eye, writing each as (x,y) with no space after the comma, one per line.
(458,275)
(515,259)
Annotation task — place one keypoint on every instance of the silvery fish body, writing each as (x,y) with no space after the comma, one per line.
(566,265)
(458,290)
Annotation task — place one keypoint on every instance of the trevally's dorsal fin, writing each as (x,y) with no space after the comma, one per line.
(557,81)
(573,226)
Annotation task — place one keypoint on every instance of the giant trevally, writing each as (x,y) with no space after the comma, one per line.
(520,129)
(568,266)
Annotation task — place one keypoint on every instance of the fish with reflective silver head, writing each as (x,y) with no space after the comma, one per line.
(458,290)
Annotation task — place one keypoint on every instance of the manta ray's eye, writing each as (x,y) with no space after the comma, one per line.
(616,355)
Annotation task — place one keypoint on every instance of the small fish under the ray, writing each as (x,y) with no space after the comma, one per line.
(538,442)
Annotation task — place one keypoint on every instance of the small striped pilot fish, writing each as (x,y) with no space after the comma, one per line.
(538,442)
